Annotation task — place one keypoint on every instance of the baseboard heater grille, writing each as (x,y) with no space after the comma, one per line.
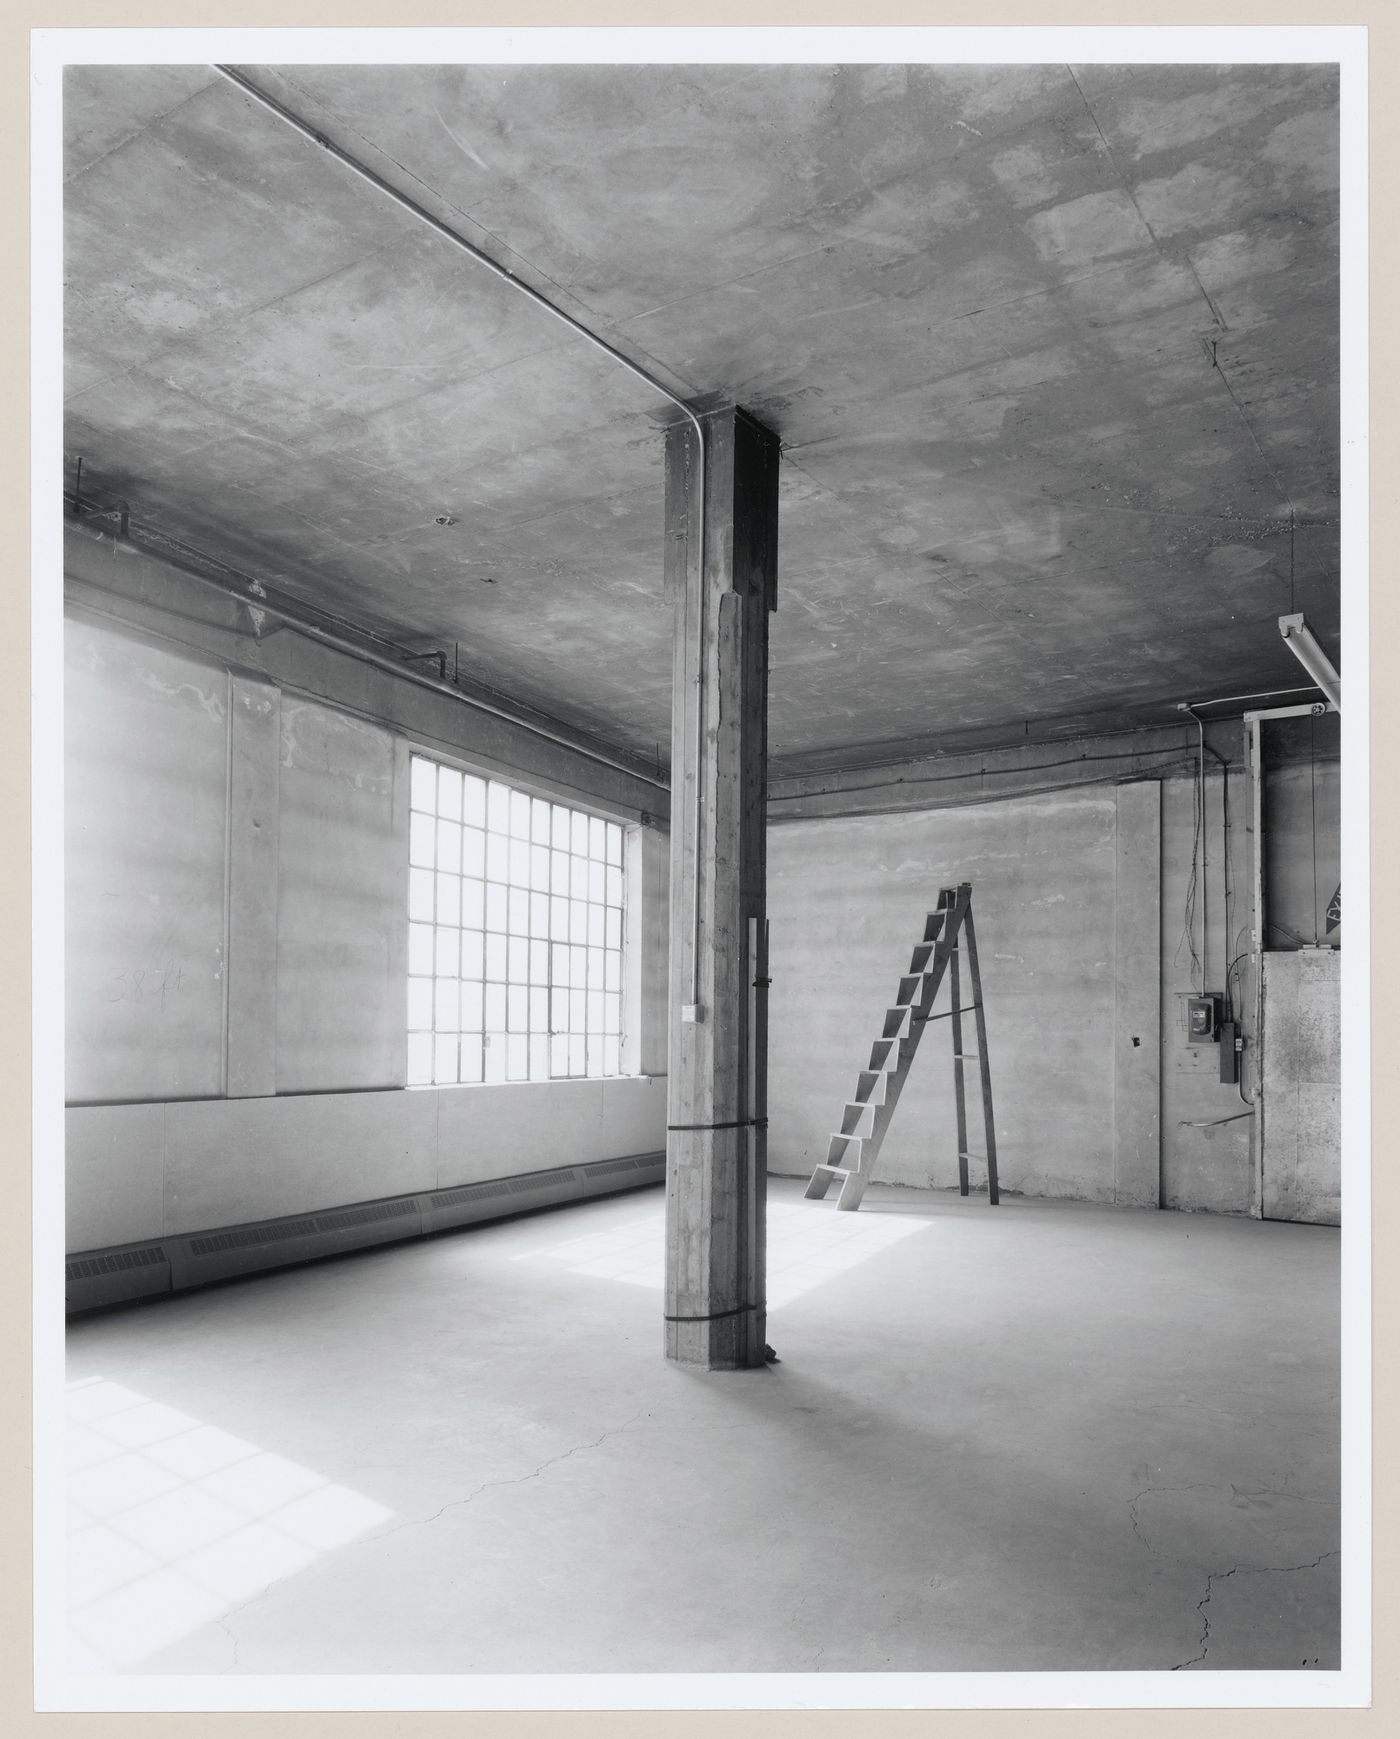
(130,1271)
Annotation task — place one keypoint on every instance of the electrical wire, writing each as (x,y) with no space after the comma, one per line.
(1188,917)
(1229,875)
(1196,885)
(1292,586)
(1258,694)
(1236,998)
(983,773)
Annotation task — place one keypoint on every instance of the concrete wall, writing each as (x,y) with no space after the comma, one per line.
(1081,900)
(1302,859)
(1065,901)
(1301,1163)
(647,948)
(146,846)
(1207,1131)
(148,1171)
(341,896)
(237,924)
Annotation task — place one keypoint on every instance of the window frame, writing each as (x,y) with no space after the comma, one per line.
(547,969)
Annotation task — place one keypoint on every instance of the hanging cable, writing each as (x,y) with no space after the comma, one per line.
(1229,870)
(1199,848)
(1188,916)
(1292,600)
(1312,810)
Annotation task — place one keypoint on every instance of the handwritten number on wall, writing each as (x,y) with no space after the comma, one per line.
(140,985)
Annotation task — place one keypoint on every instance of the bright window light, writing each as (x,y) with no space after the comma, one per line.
(515,925)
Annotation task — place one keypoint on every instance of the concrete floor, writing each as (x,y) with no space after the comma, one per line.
(1048,1436)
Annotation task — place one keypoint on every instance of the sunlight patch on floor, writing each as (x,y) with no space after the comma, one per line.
(807,1245)
(172,1522)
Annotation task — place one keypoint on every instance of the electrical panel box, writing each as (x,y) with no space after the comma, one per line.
(1203,1020)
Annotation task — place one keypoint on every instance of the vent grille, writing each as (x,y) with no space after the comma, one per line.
(475,1192)
(344,1218)
(606,1167)
(538,1180)
(272,1233)
(494,1188)
(406,1215)
(115,1262)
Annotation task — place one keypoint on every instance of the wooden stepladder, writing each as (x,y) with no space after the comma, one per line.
(855,1148)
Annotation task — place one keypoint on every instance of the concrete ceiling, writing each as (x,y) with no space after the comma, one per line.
(1052,352)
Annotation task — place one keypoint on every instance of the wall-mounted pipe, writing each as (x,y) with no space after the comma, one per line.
(392,661)
(366,174)
(1253,722)
(1259,694)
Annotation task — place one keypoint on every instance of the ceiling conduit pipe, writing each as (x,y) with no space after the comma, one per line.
(411,206)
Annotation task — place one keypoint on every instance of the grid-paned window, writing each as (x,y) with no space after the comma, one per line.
(514,934)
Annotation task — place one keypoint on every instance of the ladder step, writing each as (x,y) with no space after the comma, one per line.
(835,1170)
(866,1083)
(852,1116)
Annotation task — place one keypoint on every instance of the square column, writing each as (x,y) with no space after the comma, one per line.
(716,1168)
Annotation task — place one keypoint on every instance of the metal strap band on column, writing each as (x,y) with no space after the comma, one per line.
(739,1123)
(715,1315)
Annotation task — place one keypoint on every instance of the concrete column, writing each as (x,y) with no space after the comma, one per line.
(716,1166)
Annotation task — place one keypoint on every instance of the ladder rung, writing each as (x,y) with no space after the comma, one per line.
(835,1170)
(977,1156)
(868,1080)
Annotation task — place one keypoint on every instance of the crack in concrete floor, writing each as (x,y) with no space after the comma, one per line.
(1266,1491)
(1241,1570)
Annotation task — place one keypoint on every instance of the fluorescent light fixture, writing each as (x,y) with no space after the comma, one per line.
(1300,642)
